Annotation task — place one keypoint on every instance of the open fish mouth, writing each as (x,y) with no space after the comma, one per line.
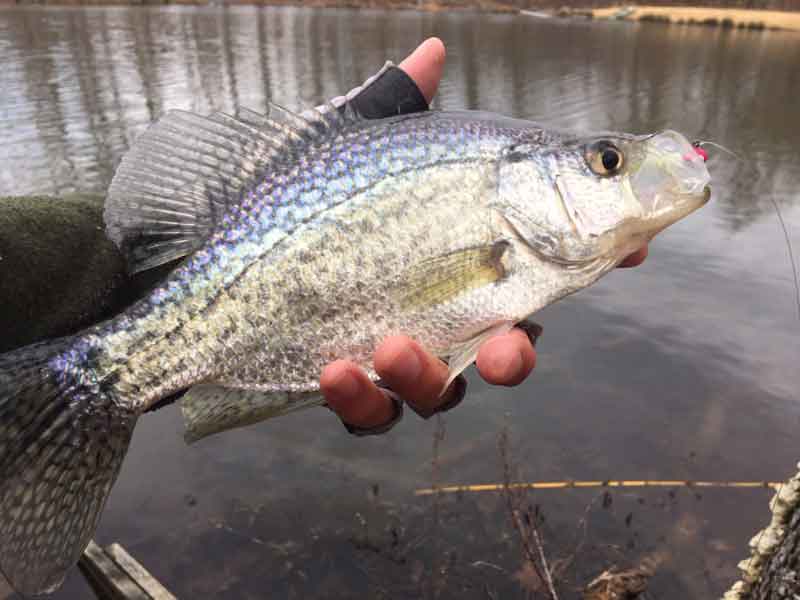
(673,208)
(670,174)
(676,208)
(697,198)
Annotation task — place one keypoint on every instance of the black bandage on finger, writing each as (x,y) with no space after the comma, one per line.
(451,398)
(532,330)
(392,93)
(397,415)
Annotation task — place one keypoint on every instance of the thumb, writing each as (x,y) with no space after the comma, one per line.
(425,65)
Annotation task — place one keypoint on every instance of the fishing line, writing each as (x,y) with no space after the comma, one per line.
(701,143)
(791,252)
(781,220)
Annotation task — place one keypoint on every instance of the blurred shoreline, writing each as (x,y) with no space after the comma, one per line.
(488,6)
(786,19)
(711,16)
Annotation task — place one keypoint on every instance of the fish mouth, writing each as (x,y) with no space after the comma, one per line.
(682,206)
(669,176)
(638,231)
(695,200)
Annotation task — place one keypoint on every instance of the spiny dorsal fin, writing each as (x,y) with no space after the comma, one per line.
(186,171)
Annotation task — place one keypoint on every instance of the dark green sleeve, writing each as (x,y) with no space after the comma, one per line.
(58,271)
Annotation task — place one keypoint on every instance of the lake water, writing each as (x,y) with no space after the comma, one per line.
(685,368)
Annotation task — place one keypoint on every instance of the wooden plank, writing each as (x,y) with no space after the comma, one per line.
(107,578)
(138,573)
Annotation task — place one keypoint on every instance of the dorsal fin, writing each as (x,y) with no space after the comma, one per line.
(186,171)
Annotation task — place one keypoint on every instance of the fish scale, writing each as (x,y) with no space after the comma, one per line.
(306,241)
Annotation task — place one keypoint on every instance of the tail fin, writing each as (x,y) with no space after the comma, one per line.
(62,441)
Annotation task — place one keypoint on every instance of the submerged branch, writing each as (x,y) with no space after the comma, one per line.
(560,485)
(524,520)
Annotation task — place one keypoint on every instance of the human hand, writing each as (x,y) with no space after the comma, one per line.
(404,366)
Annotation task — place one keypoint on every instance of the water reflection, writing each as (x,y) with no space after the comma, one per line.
(90,81)
(685,367)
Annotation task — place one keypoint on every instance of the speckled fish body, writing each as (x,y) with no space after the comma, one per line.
(322,259)
(308,241)
(315,264)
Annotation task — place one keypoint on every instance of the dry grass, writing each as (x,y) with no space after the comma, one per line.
(731,17)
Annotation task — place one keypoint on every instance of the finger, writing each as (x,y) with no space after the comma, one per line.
(351,395)
(635,259)
(417,376)
(424,65)
(506,359)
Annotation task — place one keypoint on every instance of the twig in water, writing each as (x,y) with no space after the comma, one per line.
(439,569)
(232,531)
(613,584)
(548,575)
(483,563)
(583,526)
(560,485)
(524,523)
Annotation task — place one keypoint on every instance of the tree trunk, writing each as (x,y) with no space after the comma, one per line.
(773,570)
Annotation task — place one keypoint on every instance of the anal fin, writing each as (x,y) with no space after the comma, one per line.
(467,352)
(208,409)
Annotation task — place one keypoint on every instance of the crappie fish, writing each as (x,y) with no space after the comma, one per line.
(307,240)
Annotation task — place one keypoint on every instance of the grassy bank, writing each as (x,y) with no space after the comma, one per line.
(722,17)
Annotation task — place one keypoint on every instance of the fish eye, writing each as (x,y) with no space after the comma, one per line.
(604,158)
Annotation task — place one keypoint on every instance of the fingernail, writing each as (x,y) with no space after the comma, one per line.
(346,386)
(410,363)
(515,365)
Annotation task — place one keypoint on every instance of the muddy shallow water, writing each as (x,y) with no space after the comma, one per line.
(685,368)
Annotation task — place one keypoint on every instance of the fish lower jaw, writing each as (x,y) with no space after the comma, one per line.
(681,207)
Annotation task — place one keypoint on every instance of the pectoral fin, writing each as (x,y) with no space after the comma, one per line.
(466,353)
(209,409)
(436,280)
